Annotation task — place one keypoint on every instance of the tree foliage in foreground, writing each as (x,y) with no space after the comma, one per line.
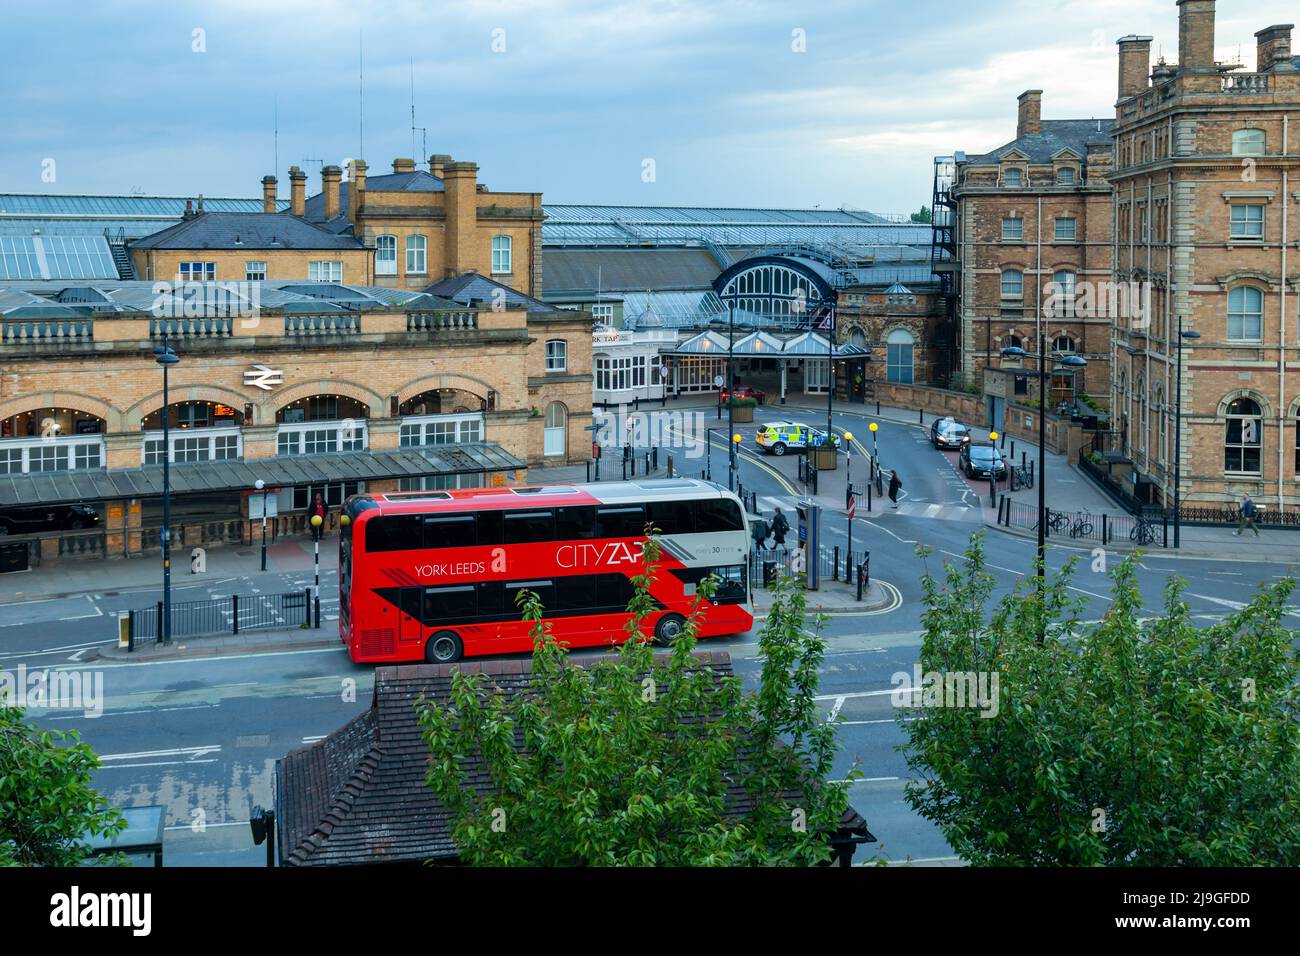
(628,761)
(1133,740)
(47,805)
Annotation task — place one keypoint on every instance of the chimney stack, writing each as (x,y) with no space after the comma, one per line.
(268,194)
(438,162)
(1134,65)
(1196,36)
(1273,48)
(1030,122)
(330,178)
(189,209)
(297,191)
(357,189)
(461,204)
(403,165)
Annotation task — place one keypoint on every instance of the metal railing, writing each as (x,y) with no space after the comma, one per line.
(231,615)
(1148,529)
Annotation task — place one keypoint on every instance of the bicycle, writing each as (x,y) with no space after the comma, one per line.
(1144,532)
(1057,520)
(1081,528)
(1026,477)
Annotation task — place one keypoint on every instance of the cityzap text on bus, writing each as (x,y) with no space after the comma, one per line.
(435,575)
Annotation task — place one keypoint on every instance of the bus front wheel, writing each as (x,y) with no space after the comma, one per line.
(669,628)
(443,648)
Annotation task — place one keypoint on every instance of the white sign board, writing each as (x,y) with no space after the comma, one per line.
(717,381)
(255,506)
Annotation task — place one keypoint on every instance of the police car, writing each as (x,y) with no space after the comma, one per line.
(780,437)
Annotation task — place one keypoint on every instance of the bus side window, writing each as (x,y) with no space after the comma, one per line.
(411,602)
(450,605)
(394,533)
(491,598)
(448,531)
(622,522)
(489,527)
(613,591)
(575,593)
(718,514)
(577,523)
(529,527)
(671,517)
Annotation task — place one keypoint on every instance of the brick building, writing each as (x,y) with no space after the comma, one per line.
(323,387)
(405,229)
(1202,197)
(1032,229)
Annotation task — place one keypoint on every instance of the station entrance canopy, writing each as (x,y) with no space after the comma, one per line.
(70,487)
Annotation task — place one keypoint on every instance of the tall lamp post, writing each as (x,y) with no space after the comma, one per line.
(875,450)
(1074,362)
(260,485)
(1178,428)
(165,357)
(316,522)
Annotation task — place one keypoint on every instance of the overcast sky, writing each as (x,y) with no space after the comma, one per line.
(736,102)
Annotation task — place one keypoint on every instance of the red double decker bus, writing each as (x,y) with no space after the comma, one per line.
(434,575)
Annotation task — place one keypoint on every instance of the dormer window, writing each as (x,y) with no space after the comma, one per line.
(1065,176)
(1013,178)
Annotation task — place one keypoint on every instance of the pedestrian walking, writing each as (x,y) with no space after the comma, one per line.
(1246,516)
(779,527)
(894,485)
(318,507)
(758,531)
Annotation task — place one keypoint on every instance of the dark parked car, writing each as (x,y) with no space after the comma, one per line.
(977,460)
(745,391)
(52,518)
(949,433)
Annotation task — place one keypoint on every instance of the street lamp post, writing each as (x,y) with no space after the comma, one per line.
(848,495)
(1178,428)
(1074,362)
(165,357)
(731,392)
(260,485)
(875,451)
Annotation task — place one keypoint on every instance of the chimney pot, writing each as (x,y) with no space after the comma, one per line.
(268,193)
(1134,65)
(1273,48)
(403,165)
(437,162)
(1030,122)
(1196,36)
(297,191)
(330,178)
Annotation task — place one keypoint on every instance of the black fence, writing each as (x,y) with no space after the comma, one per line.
(1146,530)
(834,564)
(231,615)
(624,463)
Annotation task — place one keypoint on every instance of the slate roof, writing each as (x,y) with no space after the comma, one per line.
(359,795)
(245,230)
(418,181)
(1057,135)
(629,270)
(471,288)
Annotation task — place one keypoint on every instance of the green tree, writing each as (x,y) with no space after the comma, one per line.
(1132,740)
(922,215)
(629,761)
(47,805)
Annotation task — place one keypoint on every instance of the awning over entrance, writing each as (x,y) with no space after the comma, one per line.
(69,487)
(804,345)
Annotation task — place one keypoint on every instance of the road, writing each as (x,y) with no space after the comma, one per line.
(200,736)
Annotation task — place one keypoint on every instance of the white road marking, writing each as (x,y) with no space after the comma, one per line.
(201,751)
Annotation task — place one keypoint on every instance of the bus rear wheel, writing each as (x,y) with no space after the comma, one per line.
(669,628)
(444,647)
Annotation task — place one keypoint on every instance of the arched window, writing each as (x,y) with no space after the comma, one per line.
(898,346)
(1065,176)
(557,355)
(417,259)
(1248,142)
(1064,344)
(1243,437)
(1245,314)
(501,255)
(554,439)
(385,255)
(1013,284)
(1012,342)
(856,337)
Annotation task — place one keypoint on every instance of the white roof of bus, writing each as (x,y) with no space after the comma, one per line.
(604,492)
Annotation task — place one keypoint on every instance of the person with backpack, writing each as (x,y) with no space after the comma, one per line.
(1246,516)
(758,531)
(779,527)
(894,486)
